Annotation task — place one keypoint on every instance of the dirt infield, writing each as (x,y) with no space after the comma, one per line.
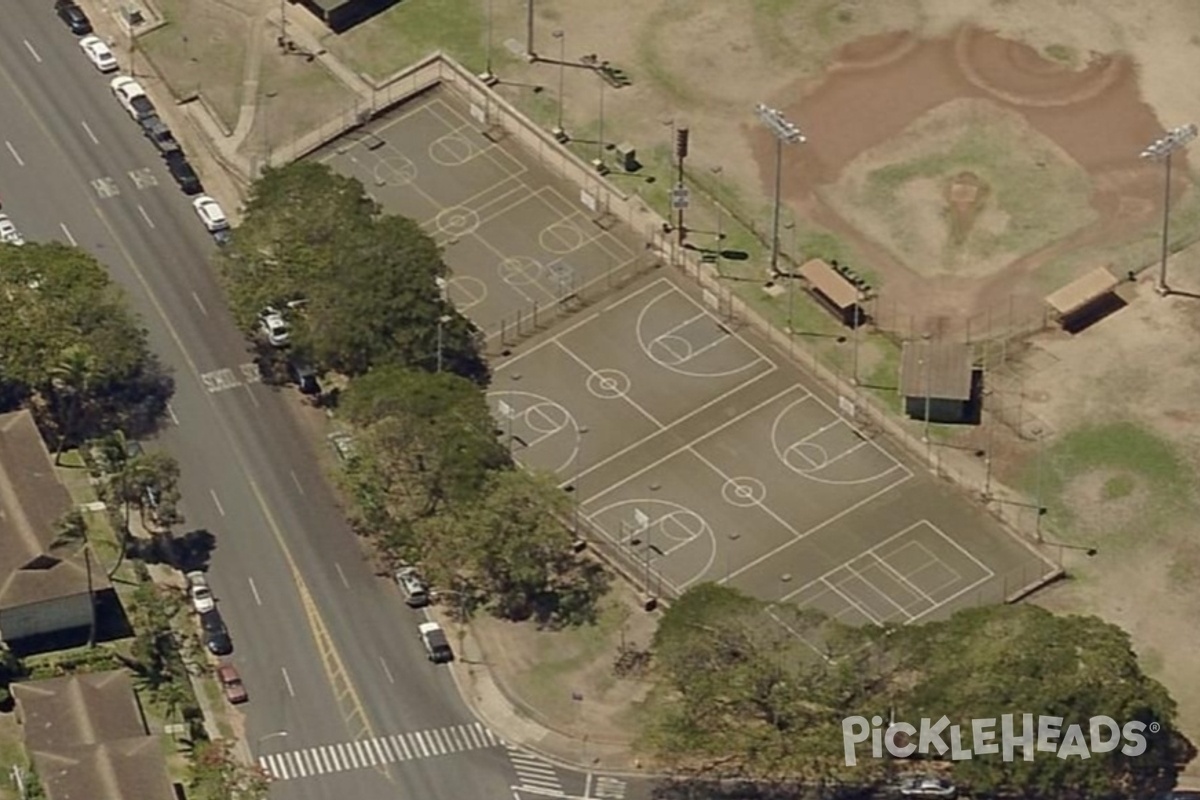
(949,96)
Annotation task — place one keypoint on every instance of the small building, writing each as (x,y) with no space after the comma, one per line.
(834,291)
(42,590)
(1085,300)
(340,15)
(87,737)
(937,381)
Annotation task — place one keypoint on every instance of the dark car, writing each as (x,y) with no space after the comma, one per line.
(184,175)
(143,109)
(74,17)
(304,376)
(160,135)
(216,636)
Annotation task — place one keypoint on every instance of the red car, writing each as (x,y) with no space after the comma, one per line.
(231,684)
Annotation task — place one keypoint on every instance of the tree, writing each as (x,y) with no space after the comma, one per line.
(428,441)
(153,652)
(217,774)
(71,531)
(370,281)
(72,349)
(1023,659)
(519,552)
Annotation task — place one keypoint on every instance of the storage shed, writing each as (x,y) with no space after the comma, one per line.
(937,381)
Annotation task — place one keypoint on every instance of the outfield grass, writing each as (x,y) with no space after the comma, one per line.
(1135,456)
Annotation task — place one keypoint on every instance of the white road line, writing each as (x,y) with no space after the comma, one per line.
(319,760)
(216,501)
(203,310)
(67,232)
(146,216)
(288,680)
(402,746)
(275,767)
(339,756)
(364,753)
(473,735)
(341,575)
(32,52)
(386,671)
(171,411)
(369,754)
(296,481)
(385,750)
(87,129)
(298,757)
(14,152)
(487,733)
(436,742)
(254,591)
(419,745)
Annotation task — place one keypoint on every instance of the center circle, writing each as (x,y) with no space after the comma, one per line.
(521,271)
(457,221)
(608,384)
(561,237)
(744,492)
(451,150)
(395,170)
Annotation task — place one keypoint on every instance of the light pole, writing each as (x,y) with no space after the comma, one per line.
(578,474)
(441,323)
(488,76)
(733,537)
(559,132)
(529,54)
(716,171)
(1160,150)
(599,162)
(785,133)
(258,743)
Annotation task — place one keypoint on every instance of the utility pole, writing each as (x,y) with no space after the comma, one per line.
(529,53)
(559,132)
(681,151)
(488,76)
(1160,150)
(785,133)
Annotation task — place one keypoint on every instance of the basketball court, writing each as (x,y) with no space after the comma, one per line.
(518,244)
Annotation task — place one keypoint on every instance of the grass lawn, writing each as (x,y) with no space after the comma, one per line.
(296,96)
(1132,458)
(202,48)
(409,31)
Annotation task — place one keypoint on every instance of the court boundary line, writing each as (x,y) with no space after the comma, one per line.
(593,372)
(839,417)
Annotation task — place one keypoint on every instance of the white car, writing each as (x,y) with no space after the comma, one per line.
(199,593)
(274,327)
(9,233)
(132,97)
(214,219)
(98,53)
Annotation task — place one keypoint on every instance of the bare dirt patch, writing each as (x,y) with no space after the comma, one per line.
(566,679)
(1105,501)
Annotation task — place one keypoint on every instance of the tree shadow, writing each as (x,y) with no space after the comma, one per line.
(185,552)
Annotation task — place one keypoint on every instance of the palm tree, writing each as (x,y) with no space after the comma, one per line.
(71,529)
(70,380)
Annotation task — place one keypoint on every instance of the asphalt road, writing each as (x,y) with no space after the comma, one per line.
(328,650)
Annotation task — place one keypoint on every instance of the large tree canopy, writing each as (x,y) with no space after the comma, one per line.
(71,347)
(370,281)
(750,694)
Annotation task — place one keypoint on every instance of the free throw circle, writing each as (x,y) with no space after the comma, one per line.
(465,291)
(395,170)
(547,417)
(561,237)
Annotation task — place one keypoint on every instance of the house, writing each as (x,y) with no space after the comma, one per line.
(42,590)
(938,381)
(87,738)
(340,15)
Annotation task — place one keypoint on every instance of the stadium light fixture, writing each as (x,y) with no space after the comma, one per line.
(1161,149)
(785,133)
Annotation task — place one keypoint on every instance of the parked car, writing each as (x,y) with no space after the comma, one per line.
(132,97)
(199,593)
(930,788)
(231,684)
(273,326)
(216,635)
(416,593)
(343,445)
(73,16)
(213,218)
(160,135)
(437,646)
(9,233)
(98,53)
(182,172)
(303,375)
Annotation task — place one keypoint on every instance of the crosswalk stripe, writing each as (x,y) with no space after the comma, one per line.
(441,744)
(322,759)
(473,736)
(419,744)
(532,766)
(465,733)
(401,747)
(335,759)
(385,750)
(455,739)
(296,764)
(310,761)
(347,756)
(262,764)
(273,767)
(365,751)
(487,734)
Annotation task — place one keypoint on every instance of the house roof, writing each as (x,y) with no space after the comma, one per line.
(87,708)
(1082,291)
(32,500)
(87,739)
(826,280)
(938,370)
